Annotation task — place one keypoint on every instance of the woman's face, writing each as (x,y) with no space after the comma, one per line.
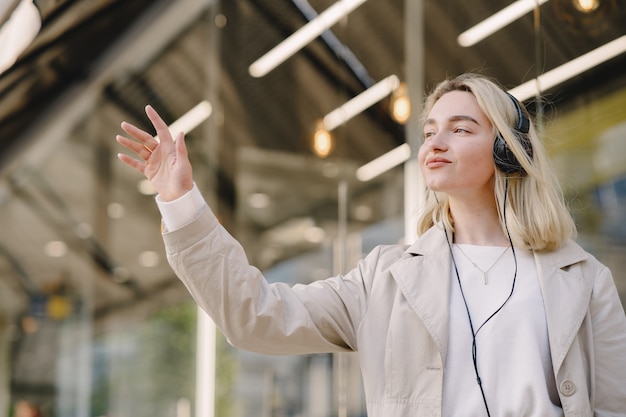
(457,154)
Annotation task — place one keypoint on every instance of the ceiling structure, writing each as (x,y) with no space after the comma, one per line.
(95,64)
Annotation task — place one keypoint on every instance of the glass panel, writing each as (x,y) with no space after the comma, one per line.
(145,368)
(588,148)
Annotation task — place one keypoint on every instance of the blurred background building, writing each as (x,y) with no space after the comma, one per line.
(92,320)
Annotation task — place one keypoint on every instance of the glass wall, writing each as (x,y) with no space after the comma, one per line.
(92,320)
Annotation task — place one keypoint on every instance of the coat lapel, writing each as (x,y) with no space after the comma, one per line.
(566,293)
(423,276)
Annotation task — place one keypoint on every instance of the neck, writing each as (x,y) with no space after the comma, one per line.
(477,223)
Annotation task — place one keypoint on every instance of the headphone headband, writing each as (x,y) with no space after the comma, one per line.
(523,124)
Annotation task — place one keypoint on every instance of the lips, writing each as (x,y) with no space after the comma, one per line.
(437,162)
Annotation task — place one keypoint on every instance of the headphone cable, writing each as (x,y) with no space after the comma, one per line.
(471,324)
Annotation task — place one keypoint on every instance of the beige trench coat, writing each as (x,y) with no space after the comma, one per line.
(393,309)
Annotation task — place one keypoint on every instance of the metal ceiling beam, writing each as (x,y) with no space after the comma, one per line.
(141,43)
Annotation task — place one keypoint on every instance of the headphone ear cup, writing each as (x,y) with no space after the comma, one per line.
(504,159)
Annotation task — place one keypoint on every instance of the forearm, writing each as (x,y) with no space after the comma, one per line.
(253,314)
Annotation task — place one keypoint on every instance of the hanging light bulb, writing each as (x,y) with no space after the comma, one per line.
(400,105)
(323,143)
(586,6)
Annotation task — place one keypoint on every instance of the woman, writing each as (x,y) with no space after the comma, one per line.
(493,311)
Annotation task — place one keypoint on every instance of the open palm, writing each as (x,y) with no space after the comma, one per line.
(164,161)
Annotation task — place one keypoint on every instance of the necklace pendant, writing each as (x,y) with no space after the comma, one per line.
(484,271)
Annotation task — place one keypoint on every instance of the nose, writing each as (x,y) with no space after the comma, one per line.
(433,144)
(436,142)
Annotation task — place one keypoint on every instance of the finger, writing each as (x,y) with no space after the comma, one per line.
(142,136)
(131,162)
(181,146)
(137,147)
(162,130)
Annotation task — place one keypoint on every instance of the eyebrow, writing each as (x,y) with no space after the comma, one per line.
(454,119)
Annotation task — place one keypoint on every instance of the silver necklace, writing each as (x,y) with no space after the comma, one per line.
(485,272)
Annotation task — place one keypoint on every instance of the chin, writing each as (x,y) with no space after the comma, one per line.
(435,186)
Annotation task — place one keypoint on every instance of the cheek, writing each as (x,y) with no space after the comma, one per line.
(480,163)
(421,157)
(423,151)
(421,154)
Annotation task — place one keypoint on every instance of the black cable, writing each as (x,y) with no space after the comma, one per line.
(458,277)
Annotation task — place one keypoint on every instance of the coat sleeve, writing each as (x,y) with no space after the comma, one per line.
(256,315)
(609,339)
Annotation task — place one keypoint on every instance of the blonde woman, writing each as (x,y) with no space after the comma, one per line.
(492,311)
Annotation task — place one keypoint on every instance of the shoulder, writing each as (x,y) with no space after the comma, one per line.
(572,256)
(431,243)
(384,255)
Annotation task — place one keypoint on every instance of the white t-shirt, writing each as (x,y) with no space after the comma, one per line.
(512,349)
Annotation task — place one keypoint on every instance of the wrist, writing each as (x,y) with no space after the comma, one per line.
(179,212)
(175,194)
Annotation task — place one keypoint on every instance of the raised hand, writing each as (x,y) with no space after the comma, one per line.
(164,162)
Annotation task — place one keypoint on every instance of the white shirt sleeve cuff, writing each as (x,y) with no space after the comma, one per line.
(177,213)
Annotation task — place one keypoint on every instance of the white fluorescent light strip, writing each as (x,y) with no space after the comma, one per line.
(497,21)
(522,92)
(302,37)
(570,69)
(190,120)
(384,163)
(17,33)
(360,102)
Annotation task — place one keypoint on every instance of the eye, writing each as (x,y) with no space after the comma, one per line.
(461,130)
(428,134)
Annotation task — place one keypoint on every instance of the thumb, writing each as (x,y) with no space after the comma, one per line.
(181,147)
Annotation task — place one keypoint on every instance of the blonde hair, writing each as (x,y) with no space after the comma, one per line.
(536,215)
